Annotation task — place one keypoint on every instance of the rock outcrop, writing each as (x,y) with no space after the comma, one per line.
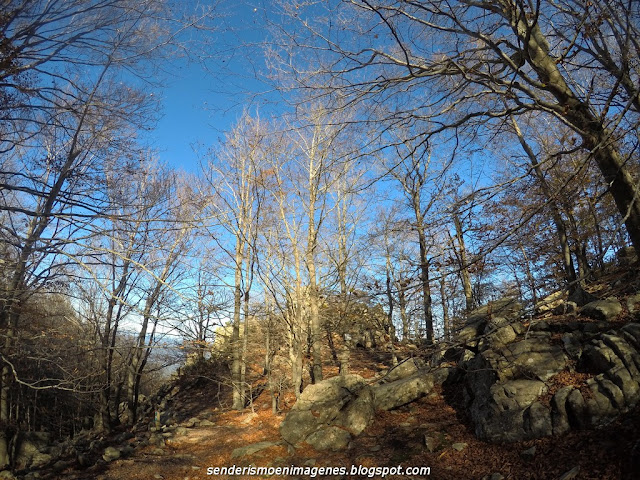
(511,385)
(607,309)
(329,413)
(519,381)
(34,450)
(388,396)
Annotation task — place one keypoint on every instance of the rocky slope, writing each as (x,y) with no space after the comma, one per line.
(549,397)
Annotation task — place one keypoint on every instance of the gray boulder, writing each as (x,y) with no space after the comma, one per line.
(551,301)
(537,421)
(345,401)
(41,459)
(395,394)
(404,369)
(111,454)
(566,308)
(508,412)
(503,336)
(535,358)
(611,391)
(192,422)
(488,318)
(503,384)
(627,383)
(617,361)
(559,416)
(599,406)
(572,343)
(631,333)
(358,414)
(577,410)
(249,450)
(624,351)
(32,450)
(473,329)
(606,309)
(508,308)
(517,394)
(633,303)
(329,438)
(598,357)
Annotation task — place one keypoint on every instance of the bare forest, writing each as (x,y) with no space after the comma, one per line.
(405,163)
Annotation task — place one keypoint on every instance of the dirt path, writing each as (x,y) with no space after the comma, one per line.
(395,438)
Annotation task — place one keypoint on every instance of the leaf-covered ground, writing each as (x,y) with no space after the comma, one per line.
(395,438)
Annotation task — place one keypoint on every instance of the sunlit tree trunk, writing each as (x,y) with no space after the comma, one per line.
(390,303)
(402,305)
(461,252)
(424,267)
(446,322)
(573,282)
(530,278)
(595,137)
(236,347)
(295,330)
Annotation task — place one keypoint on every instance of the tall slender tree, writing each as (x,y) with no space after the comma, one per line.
(234,174)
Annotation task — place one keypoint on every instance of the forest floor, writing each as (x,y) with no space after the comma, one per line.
(395,438)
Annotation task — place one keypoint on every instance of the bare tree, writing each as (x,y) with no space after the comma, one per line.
(203,304)
(234,174)
(460,252)
(466,66)
(281,272)
(317,163)
(300,180)
(171,237)
(70,74)
(415,173)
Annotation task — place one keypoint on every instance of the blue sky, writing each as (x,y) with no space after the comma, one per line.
(202,101)
(185,119)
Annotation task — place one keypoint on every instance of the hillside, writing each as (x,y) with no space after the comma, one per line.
(396,437)
(200,432)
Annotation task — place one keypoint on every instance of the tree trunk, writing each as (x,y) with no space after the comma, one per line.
(530,278)
(392,329)
(342,249)
(578,114)
(140,354)
(316,329)
(5,401)
(424,277)
(596,223)
(314,313)
(295,331)
(236,346)
(426,290)
(580,249)
(464,267)
(573,283)
(402,305)
(295,356)
(615,171)
(245,346)
(445,305)
(245,332)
